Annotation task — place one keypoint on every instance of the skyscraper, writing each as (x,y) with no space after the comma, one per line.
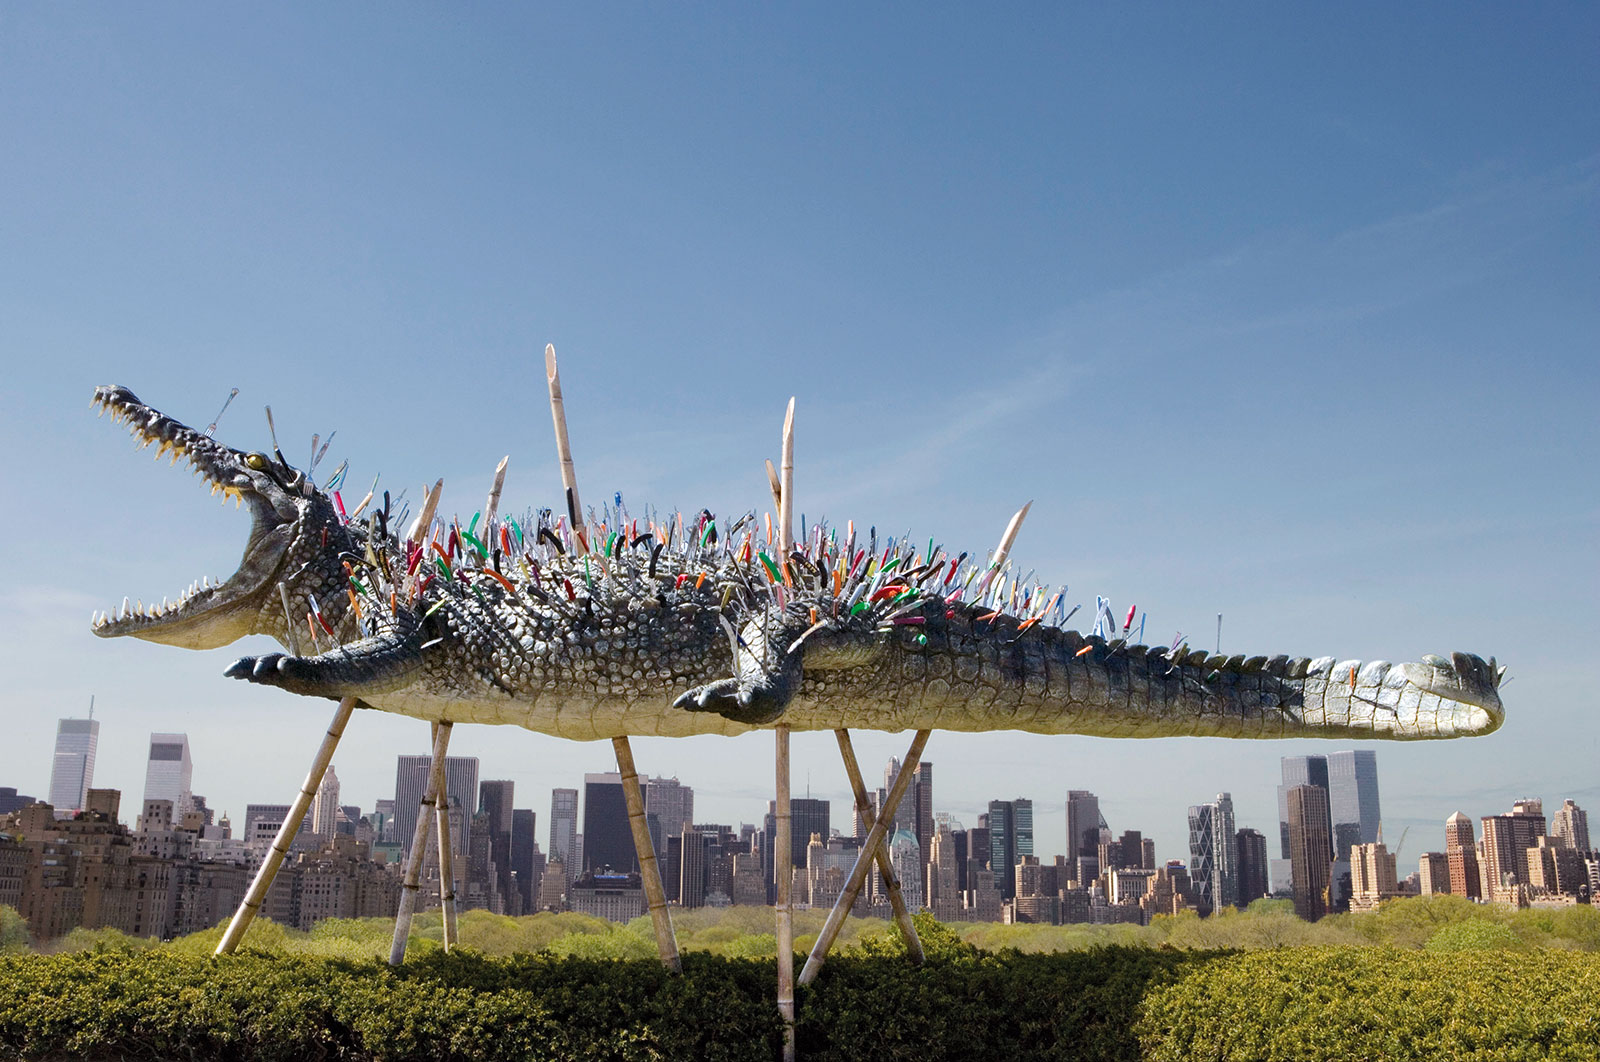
(1461,854)
(564,832)
(72,773)
(1254,881)
(921,797)
(1299,770)
(694,855)
(1213,853)
(807,816)
(1570,822)
(525,856)
(168,771)
(607,837)
(325,808)
(1372,872)
(1310,849)
(461,788)
(1010,838)
(944,880)
(1083,826)
(1506,840)
(495,801)
(1353,799)
(670,801)
(906,858)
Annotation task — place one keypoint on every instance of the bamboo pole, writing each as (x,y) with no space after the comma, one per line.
(424,520)
(569,477)
(858,874)
(897,900)
(783,857)
(491,508)
(786,489)
(649,870)
(447,861)
(783,873)
(1003,550)
(643,846)
(257,893)
(419,849)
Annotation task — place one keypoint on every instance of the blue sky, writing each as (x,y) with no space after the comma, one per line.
(1285,314)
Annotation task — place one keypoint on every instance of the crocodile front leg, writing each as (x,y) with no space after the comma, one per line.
(379,664)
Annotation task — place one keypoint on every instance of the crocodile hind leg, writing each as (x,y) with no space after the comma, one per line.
(766,677)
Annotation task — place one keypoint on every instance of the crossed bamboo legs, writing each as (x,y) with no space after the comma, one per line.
(873,850)
(435,806)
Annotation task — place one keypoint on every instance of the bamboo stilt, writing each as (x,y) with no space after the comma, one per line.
(858,874)
(783,872)
(257,893)
(419,848)
(447,861)
(569,476)
(897,900)
(649,869)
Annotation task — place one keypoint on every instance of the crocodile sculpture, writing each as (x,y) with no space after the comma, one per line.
(606,629)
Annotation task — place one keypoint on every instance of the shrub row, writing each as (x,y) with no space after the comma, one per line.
(1103,1004)
(1378,1003)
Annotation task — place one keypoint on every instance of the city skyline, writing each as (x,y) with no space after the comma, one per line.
(1347,777)
(90,869)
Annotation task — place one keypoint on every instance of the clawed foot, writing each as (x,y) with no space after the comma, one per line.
(287,672)
(731,699)
(258,669)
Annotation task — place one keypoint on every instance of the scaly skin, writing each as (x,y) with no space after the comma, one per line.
(640,637)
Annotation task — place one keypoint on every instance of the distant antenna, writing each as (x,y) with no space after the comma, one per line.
(91,706)
(1219,634)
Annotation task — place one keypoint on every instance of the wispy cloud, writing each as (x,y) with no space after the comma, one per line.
(1294,280)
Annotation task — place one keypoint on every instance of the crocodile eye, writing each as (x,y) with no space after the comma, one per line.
(258,462)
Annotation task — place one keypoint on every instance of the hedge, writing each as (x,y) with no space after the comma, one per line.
(1378,1003)
(1104,1004)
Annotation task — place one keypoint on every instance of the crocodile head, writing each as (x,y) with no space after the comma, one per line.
(295,538)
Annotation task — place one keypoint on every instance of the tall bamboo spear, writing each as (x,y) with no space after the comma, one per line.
(492,506)
(424,520)
(649,870)
(783,861)
(569,478)
(786,487)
